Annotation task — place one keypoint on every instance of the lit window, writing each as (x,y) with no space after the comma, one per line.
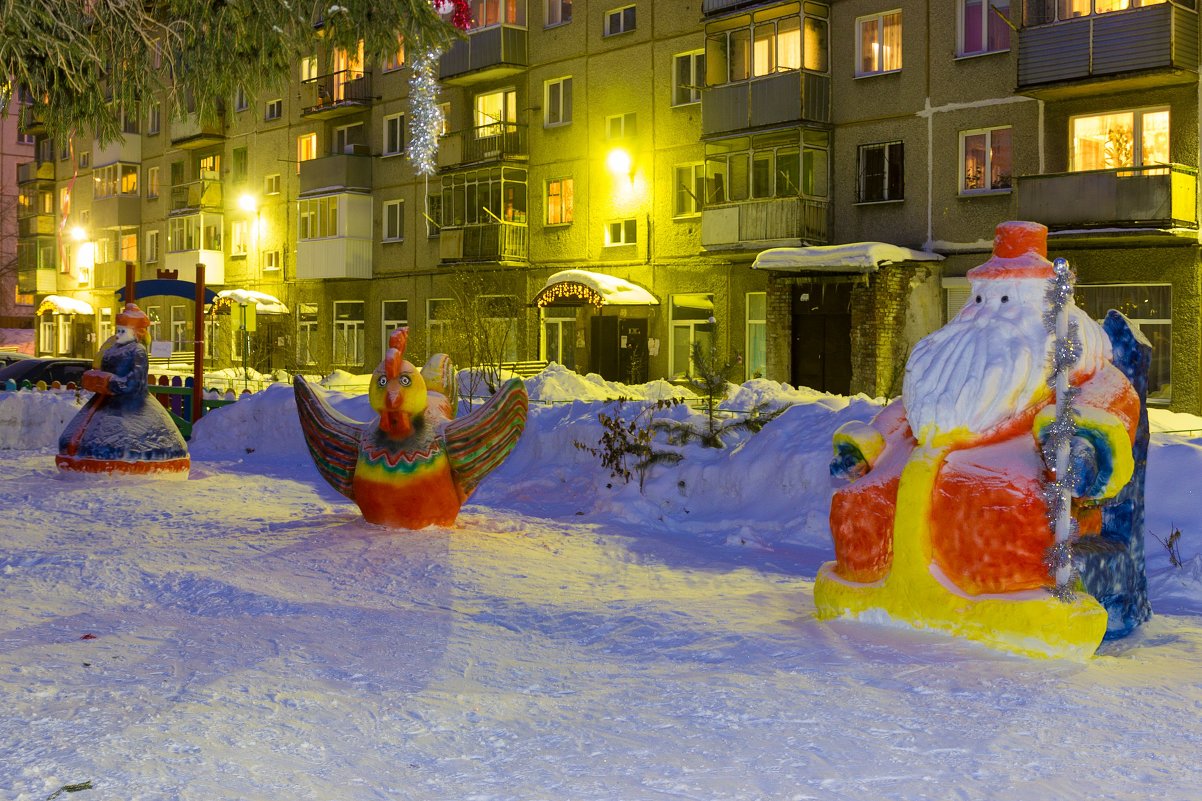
(621,232)
(308,68)
(239,238)
(983,27)
(985,160)
(557,102)
(495,112)
(394,220)
(1119,139)
(395,60)
(879,44)
(688,75)
(881,172)
(559,201)
(620,20)
(306,148)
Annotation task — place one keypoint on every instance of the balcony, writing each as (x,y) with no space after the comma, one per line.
(127,149)
(116,211)
(191,133)
(786,97)
(197,195)
(486,54)
(336,173)
(35,225)
(30,121)
(498,241)
(36,261)
(755,224)
(109,274)
(711,7)
(336,94)
(345,250)
(1161,197)
(1140,48)
(484,143)
(35,171)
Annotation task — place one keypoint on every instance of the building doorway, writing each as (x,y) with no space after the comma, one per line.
(821,343)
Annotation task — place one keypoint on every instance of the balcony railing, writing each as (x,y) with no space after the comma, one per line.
(191,132)
(498,241)
(1154,45)
(30,121)
(793,220)
(35,225)
(342,92)
(792,96)
(35,171)
(1158,196)
(494,142)
(338,172)
(203,194)
(492,52)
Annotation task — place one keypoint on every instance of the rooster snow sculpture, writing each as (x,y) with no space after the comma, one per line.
(121,429)
(415,464)
(944,524)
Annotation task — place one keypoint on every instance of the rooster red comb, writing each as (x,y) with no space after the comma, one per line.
(394,357)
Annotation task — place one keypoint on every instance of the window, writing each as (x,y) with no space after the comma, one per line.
(85,160)
(688,76)
(394,135)
(239,164)
(482,197)
(440,322)
(558,12)
(396,59)
(557,102)
(154,118)
(757,335)
(24,138)
(239,238)
(1151,307)
(394,220)
(104,325)
(194,232)
(692,322)
(783,164)
(495,108)
(240,101)
(982,26)
(621,232)
(394,314)
(1039,12)
(273,110)
(776,46)
(128,247)
(1119,139)
(985,161)
(880,172)
(621,126)
(559,335)
(308,68)
(560,201)
(271,261)
(318,217)
(690,189)
(64,149)
(271,184)
(878,44)
(152,182)
(444,111)
(46,150)
(306,333)
(179,327)
(349,138)
(306,148)
(115,179)
(348,332)
(433,214)
(152,247)
(496,12)
(620,20)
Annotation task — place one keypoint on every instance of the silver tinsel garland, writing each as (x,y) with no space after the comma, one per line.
(1066,350)
(427,115)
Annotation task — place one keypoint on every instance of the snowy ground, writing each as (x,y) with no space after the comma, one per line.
(244,635)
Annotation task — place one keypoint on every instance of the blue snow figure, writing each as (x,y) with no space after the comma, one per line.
(122,429)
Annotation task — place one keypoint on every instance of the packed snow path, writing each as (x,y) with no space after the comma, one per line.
(244,635)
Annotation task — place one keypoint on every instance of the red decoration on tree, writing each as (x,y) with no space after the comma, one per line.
(461,12)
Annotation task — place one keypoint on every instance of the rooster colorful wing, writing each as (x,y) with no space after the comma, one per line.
(480,441)
(439,374)
(332,437)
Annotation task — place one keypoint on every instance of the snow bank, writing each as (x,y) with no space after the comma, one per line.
(32,420)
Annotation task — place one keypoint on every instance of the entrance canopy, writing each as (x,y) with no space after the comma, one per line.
(61,304)
(580,287)
(856,257)
(263,303)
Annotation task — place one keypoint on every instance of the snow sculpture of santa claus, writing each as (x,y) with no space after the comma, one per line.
(944,522)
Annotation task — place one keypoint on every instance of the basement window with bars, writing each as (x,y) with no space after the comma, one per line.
(880,172)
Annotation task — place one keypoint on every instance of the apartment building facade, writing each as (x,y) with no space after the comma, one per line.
(610,172)
(16,148)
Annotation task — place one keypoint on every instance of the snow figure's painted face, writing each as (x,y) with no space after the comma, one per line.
(123,335)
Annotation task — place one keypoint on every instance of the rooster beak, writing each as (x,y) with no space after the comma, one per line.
(394,421)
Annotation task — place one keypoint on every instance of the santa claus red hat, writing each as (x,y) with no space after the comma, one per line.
(133,317)
(1020,250)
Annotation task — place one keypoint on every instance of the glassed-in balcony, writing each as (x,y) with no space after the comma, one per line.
(30,121)
(1158,196)
(495,142)
(36,263)
(35,171)
(193,238)
(793,96)
(493,241)
(335,173)
(1069,48)
(773,222)
(488,53)
(336,94)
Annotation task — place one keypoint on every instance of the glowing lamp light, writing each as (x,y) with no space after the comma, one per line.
(248,203)
(79,234)
(620,163)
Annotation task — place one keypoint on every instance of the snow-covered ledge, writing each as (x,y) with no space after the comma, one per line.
(854,257)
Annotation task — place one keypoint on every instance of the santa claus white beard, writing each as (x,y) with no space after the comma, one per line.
(975,374)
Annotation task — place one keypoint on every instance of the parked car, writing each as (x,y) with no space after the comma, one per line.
(46,369)
(7,357)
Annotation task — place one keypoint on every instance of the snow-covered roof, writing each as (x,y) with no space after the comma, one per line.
(264,303)
(611,290)
(855,257)
(61,304)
